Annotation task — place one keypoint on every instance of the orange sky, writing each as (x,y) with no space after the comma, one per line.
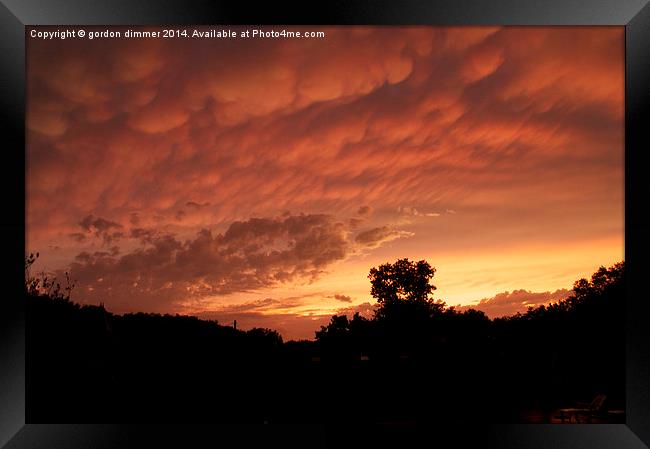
(260,180)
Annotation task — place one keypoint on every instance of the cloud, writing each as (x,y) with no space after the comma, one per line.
(194,205)
(251,254)
(375,237)
(77,236)
(413,212)
(263,304)
(144,235)
(90,223)
(365,310)
(434,116)
(343,298)
(100,227)
(166,272)
(509,303)
(364,210)
(355,222)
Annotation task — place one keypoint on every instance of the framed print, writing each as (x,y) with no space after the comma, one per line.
(231,223)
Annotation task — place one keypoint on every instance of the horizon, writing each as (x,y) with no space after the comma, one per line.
(493,307)
(260,180)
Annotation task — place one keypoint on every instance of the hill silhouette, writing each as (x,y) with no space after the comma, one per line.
(415,360)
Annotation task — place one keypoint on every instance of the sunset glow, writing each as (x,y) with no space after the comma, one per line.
(260,180)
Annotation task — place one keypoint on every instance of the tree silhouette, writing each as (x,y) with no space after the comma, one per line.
(403,290)
(337,327)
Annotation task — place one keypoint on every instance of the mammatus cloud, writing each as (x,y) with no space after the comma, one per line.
(509,303)
(440,117)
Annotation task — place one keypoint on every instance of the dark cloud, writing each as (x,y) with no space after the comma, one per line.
(363,210)
(101,228)
(252,254)
(87,257)
(265,305)
(78,237)
(355,222)
(343,298)
(90,223)
(509,303)
(112,237)
(144,235)
(195,205)
(250,306)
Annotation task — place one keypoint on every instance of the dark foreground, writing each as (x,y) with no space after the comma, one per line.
(86,365)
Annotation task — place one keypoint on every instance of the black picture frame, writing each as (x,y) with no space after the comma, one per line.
(15,15)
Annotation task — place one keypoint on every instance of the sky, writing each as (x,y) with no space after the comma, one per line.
(261,179)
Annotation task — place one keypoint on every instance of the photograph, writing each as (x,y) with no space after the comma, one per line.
(325,224)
